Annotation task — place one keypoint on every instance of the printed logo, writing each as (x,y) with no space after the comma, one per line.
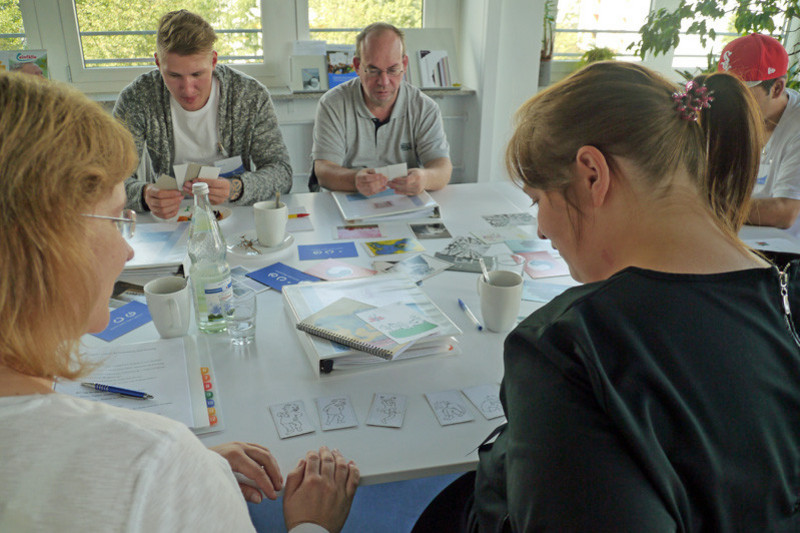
(726,61)
(22,56)
(770,70)
(405,147)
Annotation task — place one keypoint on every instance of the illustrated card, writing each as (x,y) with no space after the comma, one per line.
(529,245)
(239,275)
(510,219)
(399,170)
(420,267)
(388,410)
(299,223)
(449,407)
(336,412)
(291,419)
(277,275)
(358,231)
(326,251)
(124,319)
(541,291)
(394,246)
(336,269)
(464,253)
(432,230)
(502,234)
(398,322)
(487,399)
(166,183)
(544,265)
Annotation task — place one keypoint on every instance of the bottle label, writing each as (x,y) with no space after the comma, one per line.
(218,299)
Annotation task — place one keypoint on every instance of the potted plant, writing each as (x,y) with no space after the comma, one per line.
(596,53)
(546,53)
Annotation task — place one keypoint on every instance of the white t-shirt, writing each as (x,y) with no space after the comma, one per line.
(779,173)
(196,132)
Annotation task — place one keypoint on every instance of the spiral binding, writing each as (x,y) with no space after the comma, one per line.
(371,349)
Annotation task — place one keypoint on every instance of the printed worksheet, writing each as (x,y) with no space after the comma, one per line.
(388,410)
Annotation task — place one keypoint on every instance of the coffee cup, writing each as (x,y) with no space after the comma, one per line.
(169,304)
(500,296)
(270,221)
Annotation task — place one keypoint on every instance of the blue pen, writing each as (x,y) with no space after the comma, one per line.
(117,390)
(469,314)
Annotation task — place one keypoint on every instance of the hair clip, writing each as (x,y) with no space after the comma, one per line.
(689,103)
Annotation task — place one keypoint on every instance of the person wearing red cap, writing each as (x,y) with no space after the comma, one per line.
(762,62)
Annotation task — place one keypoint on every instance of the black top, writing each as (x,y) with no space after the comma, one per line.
(650,402)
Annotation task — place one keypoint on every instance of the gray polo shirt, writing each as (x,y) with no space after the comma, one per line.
(345,132)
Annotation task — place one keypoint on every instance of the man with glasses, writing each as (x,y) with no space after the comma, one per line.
(192,110)
(378,119)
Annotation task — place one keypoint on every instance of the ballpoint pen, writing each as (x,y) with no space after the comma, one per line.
(469,314)
(117,390)
(298,215)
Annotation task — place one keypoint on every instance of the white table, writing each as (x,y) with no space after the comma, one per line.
(275,369)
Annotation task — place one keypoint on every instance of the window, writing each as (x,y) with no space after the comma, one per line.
(339,21)
(115,34)
(583,24)
(12,34)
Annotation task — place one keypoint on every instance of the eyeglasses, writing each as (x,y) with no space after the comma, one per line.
(392,72)
(126,224)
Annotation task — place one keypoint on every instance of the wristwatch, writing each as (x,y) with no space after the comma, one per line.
(237,188)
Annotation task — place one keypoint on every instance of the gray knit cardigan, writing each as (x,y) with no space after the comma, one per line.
(247,124)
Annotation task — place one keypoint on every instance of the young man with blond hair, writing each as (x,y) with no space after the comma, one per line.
(762,63)
(192,109)
(378,119)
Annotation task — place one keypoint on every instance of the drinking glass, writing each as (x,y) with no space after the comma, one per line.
(241,319)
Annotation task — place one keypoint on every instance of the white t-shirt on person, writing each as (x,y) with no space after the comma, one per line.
(779,173)
(196,132)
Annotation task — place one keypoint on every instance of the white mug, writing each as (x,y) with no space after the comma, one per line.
(169,304)
(270,222)
(500,298)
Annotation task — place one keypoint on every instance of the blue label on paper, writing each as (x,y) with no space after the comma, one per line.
(277,275)
(124,319)
(327,251)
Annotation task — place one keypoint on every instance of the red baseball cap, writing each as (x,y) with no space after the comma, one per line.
(754,58)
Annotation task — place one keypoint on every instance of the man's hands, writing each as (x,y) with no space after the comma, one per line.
(320,490)
(165,203)
(219,189)
(162,203)
(411,184)
(256,463)
(369,182)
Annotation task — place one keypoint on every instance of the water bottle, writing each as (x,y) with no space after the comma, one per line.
(209,274)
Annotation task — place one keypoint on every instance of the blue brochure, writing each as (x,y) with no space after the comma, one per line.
(277,275)
(124,319)
(327,251)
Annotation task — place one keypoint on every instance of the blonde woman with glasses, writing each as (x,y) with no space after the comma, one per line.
(68,464)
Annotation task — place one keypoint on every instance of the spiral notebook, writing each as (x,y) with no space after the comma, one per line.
(338,322)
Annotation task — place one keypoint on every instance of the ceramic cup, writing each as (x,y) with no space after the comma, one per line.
(270,222)
(170,305)
(500,297)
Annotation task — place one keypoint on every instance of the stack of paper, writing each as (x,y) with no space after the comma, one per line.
(305,299)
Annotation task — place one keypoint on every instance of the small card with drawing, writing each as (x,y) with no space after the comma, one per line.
(290,419)
(501,234)
(487,399)
(358,231)
(394,246)
(420,267)
(510,219)
(398,322)
(432,230)
(449,407)
(336,412)
(388,410)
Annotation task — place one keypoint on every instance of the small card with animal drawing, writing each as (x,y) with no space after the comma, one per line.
(388,410)
(487,399)
(290,419)
(336,412)
(449,407)
(398,322)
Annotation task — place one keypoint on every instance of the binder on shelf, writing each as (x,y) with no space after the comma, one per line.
(305,299)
